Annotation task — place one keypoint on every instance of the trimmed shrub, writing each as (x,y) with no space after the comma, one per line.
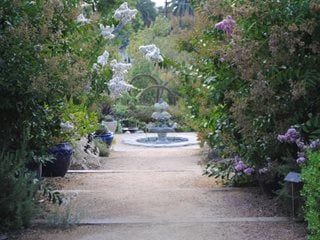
(311,192)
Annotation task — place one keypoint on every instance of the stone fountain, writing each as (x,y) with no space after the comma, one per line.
(161,126)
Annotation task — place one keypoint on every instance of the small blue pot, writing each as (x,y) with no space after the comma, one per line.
(59,166)
(106,138)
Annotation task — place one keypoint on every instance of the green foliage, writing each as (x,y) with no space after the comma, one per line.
(104,150)
(311,192)
(245,89)
(17,191)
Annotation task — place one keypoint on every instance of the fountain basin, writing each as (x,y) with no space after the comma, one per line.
(150,140)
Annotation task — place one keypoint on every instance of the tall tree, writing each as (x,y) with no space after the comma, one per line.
(148,11)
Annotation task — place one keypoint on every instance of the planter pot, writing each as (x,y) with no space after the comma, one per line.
(110,125)
(106,138)
(60,165)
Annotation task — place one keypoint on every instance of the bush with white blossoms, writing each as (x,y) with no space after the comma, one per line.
(117,85)
(151,52)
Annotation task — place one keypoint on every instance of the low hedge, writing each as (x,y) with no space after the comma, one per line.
(311,192)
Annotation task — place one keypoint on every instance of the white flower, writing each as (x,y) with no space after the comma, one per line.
(151,52)
(66,126)
(119,69)
(117,86)
(106,31)
(103,59)
(82,19)
(124,13)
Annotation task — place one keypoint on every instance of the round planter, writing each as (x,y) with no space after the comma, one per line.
(106,138)
(59,166)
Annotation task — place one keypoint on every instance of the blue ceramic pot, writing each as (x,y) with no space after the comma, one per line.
(60,165)
(106,138)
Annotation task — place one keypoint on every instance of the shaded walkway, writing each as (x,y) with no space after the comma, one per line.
(146,194)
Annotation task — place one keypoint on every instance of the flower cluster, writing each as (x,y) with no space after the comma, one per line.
(240,166)
(315,145)
(117,84)
(226,25)
(152,53)
(103,59)
(107,31)
(82,19)
(291,136)
(66,126)
(124,13)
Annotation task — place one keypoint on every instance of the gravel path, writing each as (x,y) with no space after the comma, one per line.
(160,193)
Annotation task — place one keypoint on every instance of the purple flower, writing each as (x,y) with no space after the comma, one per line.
(282,138)
(248,171)
(315,145)
(291,136)
(226,25)
(240,166)
(301,160)
(301,145)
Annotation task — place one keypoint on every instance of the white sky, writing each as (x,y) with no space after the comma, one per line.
(159,2)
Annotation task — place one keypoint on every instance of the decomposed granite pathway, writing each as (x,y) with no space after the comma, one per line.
(160,194)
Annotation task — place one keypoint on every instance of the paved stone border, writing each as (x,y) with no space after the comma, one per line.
(184,221)
(133,171)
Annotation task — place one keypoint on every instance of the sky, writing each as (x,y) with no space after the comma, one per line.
(159,2)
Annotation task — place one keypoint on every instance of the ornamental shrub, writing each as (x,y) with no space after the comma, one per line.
(247,85)
(17,190)
(311,192)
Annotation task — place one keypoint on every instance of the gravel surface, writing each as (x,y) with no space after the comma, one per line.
(161,194)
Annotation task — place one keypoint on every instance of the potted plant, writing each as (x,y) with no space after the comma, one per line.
(109,123)
(104,135)
(61,153)
(75,122)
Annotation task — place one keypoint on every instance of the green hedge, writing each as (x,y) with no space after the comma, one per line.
(311,192)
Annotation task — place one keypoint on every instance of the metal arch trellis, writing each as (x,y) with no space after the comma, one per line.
(157,85)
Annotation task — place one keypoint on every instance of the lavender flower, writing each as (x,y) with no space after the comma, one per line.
(301,160)
(240,166)
(248,171)
(291,136)
(301,145)
(226,25)
(315,145)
